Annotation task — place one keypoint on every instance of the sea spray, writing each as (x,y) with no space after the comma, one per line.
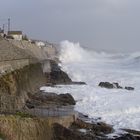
(72,52)
(118,107)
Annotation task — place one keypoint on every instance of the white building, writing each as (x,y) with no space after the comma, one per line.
(40,43)
(17,35)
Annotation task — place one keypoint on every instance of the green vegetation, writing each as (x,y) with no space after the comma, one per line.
(2,137)
(24,115)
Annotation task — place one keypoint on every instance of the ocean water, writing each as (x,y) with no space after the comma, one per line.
(118,107)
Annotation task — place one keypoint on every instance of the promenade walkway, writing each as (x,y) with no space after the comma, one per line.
(9,105)
(53,111)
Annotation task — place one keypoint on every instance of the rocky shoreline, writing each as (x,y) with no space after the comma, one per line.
(26,113)
(85,128)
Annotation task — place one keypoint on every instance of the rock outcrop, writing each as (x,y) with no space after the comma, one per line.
(129,88)
(96,127)
(81,130)
(56,75)
(62,133)
(49,99)
(113,85)
(109,85)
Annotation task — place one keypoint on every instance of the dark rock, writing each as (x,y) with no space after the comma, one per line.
(127,137)
(106,85)
(62,133)
(129,88)
(133,132)
(29,104)
(49,85)
(113,85)
(67,99)
(116,85)
(96,128)
(72,133)
(102,127)
(110,85)
(47,99)
(57,76)
(79,83)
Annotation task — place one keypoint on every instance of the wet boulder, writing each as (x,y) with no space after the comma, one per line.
(110,85)
(78,83)
(113,85)
(129,88)
(62,133)
(97,128)
(47,99)
(66,99)
(106,85)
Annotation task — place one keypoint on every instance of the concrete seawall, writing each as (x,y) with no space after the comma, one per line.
(11,65)
(42,53)
(17,54)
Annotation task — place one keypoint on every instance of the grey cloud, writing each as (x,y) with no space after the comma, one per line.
(111,25)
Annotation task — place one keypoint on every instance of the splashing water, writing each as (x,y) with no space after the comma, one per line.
(118,107)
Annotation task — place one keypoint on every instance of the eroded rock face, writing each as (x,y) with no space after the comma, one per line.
(15,85)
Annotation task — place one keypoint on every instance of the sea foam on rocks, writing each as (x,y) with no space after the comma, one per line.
(120,108)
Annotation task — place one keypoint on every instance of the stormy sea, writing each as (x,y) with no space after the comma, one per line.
(118,107)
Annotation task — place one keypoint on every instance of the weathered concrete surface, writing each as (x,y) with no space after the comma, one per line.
(12,57)
(11,65)
(10,52)
(19,128)
(42,53)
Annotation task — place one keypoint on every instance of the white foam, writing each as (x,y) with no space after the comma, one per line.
(118,107)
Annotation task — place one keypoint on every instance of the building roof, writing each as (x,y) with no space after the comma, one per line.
(14,32)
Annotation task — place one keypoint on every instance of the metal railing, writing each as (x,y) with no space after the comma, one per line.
(12,104)
(52,111)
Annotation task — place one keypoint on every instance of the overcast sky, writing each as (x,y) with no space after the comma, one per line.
(112,25)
